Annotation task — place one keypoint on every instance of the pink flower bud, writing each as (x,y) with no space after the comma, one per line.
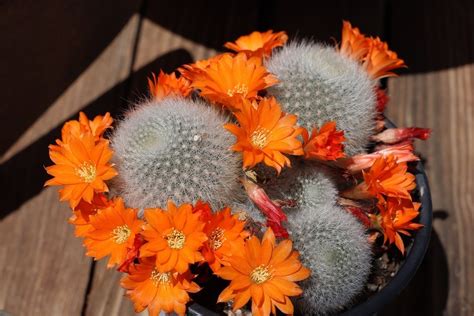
(396,135)
(269,208)
(403,153)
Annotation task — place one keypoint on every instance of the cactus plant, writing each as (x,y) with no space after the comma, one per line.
(176,149)
(319,84)
(306,183)
(333,244)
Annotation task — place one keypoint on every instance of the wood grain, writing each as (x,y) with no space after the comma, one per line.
(443,100)
(43,269)
(436,91)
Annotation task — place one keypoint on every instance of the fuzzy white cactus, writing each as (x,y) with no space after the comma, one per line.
(319,84)
(175,149)
(333,244)
(306,183)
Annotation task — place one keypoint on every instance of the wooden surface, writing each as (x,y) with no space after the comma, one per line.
(59,58)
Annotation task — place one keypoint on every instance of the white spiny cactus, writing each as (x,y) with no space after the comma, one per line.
(175,149)
(332,243)
(319,84)
(304,183)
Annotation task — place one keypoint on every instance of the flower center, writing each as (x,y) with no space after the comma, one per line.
(160,278)
(121,234)
(216,239)
(260,274)
(240,88)
(87,172)
(176,239)
(259,137)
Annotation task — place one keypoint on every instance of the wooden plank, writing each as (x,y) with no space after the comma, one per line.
(169,37)
(442,100)
(43,270)
(436,40)
(45,47)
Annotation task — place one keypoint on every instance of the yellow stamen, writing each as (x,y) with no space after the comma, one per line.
(259,137)
(121,234)
(87,172)
(260,274)
(160,278)
(239,88)
(216,239)
(176,239)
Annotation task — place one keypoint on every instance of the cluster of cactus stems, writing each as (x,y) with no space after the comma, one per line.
(332,242)
(306,187)
(175,149)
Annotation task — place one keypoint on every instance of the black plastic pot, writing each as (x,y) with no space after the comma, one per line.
(414,256)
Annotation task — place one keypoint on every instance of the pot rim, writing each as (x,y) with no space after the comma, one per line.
(414,257)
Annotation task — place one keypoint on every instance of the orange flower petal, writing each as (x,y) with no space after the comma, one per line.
(265,283)
(169,239)
(265,135)
(167,84)
(258,44)
(228,79)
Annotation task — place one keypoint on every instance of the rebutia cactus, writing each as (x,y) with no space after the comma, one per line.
(175,149)
(319,84)
(305,183)
(332,243)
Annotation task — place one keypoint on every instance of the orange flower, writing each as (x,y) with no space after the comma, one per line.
(84,126)
(158,291)
(98,125)
(230,78)
(168,84)
(174,236)
(380,61)
(225,233)
(266,273)
(80,217)
(190,71)
(325,144)
(265,134)
(204,210)
(374,54)
(82,167)
(353,43)
(386,177)
(258,44)
(395,218)
(113,232)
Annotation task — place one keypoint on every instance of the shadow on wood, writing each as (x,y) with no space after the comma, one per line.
(23,175)
(45,47)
